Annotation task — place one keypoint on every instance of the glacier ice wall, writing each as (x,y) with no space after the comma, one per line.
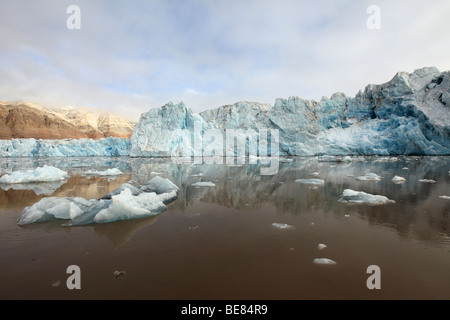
(110,146)
(408,115)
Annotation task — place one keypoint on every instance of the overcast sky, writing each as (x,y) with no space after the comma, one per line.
(130,56)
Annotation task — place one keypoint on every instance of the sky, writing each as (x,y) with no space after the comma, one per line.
(126,57)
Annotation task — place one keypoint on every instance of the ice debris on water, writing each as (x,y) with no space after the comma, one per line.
(351,196)
(427,181)
(311,181)
(281,225)
(118,273)
(369,177)
(40,174)
(127,203)
(321,246)
(204,184)
(445,197)
(107,172)
(398,179)
(323,261)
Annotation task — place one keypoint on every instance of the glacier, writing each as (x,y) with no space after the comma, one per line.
(110,146)
(125,203)
(409,115)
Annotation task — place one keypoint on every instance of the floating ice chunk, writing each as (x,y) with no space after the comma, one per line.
(154,173)
(52,208)
(369,177)
(134,191)
(405,168)
(125,206)
(321,246)
(41,174)
(159,185)
(197,175)
(346,215)
(361,197)
(204,184)
(323,261)
(125,203)
(40,188)
(445,197)
(107,172)
(427,181)
(311,181)
(398,180)
(118,273)
(314,173)
(281,225)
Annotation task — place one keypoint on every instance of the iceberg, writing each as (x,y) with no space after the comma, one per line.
(281,225)
(427,181)
(107,172)
(125,203)
(40,174)
(398,179)
(351,196)
(311,181)
(323,261)
(204,184)
(369,177)
(445,197)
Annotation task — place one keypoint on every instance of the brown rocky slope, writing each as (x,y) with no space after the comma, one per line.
(30,120)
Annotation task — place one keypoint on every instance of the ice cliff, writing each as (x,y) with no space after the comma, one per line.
(64,148)
(408,115)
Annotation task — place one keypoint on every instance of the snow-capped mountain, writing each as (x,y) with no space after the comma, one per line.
(30,120)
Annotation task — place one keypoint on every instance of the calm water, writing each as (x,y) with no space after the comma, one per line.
(219,242)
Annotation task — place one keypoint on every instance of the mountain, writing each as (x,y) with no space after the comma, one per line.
(30,120)
(408,115)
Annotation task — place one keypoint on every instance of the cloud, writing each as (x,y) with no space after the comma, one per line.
(131,56)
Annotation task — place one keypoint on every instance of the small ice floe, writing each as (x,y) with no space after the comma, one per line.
(346,215)
(41,174)
(281,225)
(118,273)
(321,246)
(204,184)
(312,223)
(427,181)
(314,173)
(323,261)
(56,283)
(314,188)
(405,168)
(334,159)
(154,173)
(311,181)
(369,177)
(351,196)
(398,179)
(192,228)
(445,197)
(107,172)
(197,175)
